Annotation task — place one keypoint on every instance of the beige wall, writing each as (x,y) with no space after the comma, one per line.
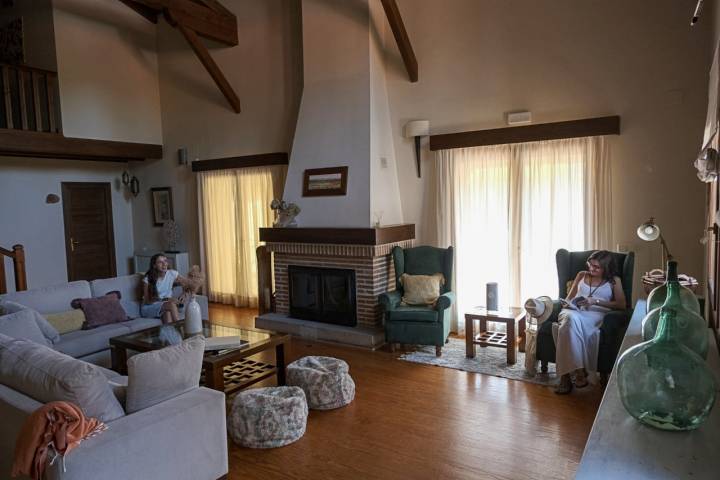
(38,34)
(575,59)
(107,70)
(264,71)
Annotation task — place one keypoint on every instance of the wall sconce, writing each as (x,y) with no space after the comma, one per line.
(417,129)
(131,183)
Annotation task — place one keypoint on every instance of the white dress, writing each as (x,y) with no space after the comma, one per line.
(577,333)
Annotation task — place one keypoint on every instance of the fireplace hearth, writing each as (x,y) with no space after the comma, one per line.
(322,294)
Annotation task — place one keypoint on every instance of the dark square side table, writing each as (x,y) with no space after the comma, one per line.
(514,320)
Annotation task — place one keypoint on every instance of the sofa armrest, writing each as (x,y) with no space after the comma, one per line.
(182,438)
(390,300)
(445,301)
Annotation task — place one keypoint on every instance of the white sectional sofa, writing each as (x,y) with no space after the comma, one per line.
(92,345)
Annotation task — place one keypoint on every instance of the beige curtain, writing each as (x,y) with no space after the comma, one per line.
(507,209)
(233,205)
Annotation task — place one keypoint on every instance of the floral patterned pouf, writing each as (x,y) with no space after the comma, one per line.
(325,380)
(268,417)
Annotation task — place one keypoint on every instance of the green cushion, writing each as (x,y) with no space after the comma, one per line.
(411,313)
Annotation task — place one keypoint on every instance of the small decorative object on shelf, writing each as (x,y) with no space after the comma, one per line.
(663,383)
(656,277)
(171,234)
(692,328)
(285,213)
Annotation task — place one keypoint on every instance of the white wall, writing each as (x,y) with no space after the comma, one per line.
(107,71)
(333,126)
(479,59)
(264,69)
(28,220)
(385,204)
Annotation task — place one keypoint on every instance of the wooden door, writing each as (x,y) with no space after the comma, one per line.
(89,238)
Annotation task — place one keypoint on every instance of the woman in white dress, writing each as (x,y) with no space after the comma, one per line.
(577,333)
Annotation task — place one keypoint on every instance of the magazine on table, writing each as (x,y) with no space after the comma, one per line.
(574,303)
(224,343)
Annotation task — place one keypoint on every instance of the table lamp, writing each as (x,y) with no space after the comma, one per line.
(649,231)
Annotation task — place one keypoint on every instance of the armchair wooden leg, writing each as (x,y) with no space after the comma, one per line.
(603,379)
(438,350)
(543,366)
(392,347)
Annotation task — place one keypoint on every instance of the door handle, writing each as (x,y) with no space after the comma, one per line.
(73,243)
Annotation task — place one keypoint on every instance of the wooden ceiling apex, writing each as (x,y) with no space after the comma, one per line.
(205,18)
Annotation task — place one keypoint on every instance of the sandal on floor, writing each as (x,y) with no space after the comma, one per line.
(581,381)
(565,386)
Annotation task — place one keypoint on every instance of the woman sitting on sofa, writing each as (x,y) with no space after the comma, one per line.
(577,333)
(158,283)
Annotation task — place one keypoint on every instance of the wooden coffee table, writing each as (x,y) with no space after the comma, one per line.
(514,320)
(224,370)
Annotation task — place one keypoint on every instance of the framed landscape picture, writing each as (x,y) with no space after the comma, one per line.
(324,182)
(162,205)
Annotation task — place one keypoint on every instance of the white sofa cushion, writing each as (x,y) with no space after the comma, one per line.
(50,332)
(46,375)
(51,299)
(159,375)
(21,324)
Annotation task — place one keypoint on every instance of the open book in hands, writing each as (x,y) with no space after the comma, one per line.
(574,304)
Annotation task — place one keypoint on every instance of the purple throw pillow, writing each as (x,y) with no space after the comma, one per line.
(101,310)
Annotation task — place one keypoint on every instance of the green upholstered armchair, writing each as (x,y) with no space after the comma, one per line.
(614,323)
(419,325)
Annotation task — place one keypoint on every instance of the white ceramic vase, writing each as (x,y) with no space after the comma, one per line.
(193,317)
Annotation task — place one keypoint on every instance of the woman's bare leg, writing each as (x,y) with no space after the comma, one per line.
(166,317)
(170,312)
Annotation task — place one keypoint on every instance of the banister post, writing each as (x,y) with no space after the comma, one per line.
(19,268)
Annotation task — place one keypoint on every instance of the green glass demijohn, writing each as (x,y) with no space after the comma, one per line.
(692,328)
(659,294)
(663,383)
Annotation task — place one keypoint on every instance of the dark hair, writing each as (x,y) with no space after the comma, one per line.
(606,261)
(151,274)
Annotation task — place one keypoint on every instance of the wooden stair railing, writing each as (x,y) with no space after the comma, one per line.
(18,257)
(30,99)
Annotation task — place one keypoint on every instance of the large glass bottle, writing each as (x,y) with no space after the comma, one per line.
(657,297)
(662,382)
(692,328)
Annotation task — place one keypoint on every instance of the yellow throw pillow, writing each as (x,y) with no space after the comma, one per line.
(65,322)
(421,289)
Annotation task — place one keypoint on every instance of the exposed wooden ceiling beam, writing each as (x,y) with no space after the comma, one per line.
(401,37)
(209,22)
(202,53)
(149,13)
(18,143)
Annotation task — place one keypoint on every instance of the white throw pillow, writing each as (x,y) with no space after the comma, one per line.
(50,332)
(156,376)
(22,324)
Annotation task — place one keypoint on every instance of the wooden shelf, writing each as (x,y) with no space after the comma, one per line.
(340,236)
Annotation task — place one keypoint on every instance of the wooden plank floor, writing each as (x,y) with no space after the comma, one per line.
(411,421)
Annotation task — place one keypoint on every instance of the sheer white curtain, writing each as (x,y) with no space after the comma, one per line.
(233,205)
(508,208)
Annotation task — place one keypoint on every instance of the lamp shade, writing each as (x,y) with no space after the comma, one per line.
(417,128)
(649,231)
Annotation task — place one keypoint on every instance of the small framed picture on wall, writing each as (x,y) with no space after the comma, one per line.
(325,182)
(162,205)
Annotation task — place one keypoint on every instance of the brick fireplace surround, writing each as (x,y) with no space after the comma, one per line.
(367,251)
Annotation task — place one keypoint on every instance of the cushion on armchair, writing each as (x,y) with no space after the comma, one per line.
(421,289)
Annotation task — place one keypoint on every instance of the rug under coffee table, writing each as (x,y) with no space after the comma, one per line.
(225,370)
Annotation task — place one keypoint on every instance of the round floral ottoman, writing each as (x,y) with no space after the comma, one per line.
(325,380)
(268,417)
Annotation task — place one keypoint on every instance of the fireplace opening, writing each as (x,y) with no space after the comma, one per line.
(322,294)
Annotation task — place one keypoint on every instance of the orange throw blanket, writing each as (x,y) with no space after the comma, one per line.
(60,425)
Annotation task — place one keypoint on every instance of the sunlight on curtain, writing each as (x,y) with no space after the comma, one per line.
(234,205)
(508,208)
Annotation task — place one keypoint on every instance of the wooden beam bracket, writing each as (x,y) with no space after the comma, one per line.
(401,37)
